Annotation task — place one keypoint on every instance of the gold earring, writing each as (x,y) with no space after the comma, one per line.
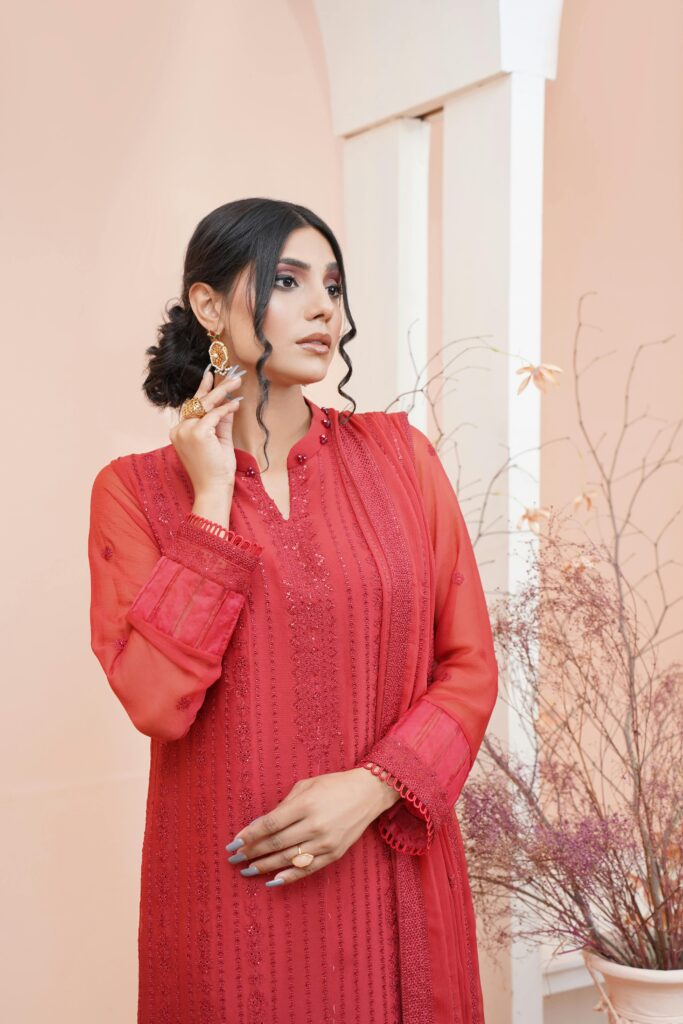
(218,354)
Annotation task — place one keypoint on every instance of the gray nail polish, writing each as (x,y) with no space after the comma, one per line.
(232,371)
(235,844)
(240,374)
(238,399)
(208,367)
(275,881)
(237,858)
(250,871)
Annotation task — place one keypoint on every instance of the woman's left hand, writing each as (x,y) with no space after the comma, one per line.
(324,815)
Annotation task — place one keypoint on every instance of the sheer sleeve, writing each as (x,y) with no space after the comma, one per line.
(160,623)
(429,752)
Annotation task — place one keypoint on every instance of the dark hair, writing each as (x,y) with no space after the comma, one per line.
(244,233)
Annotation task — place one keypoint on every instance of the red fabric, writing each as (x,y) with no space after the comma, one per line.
(433,744)
(355,632)
(159,625)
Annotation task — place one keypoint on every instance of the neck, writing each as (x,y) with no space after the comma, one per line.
(286,416)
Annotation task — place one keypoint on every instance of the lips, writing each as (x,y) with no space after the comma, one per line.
(320,339)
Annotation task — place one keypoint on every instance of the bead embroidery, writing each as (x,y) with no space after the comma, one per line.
(472,1000)
(408,576)
(466,911)
(305,582)
(243,807)
(394,1014)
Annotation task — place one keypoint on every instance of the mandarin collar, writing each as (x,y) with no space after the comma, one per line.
(317,436)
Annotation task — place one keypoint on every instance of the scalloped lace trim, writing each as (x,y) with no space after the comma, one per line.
(403,845)
(217,530)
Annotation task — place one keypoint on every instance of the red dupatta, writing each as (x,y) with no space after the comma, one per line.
(436,692)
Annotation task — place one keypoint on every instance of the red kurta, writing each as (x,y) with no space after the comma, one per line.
(275,654)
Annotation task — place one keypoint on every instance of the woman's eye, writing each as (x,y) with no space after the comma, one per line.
(288,277)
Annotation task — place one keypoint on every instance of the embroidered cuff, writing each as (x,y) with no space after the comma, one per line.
(407,825)
(428,760)
(217,553)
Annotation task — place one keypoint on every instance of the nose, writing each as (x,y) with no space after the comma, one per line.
(322,307)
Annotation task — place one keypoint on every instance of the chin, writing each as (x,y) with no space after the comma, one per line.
(314,378)
(314,373)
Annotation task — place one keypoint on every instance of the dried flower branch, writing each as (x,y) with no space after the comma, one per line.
(587,833)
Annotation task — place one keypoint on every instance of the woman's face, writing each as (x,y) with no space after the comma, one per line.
(306,299)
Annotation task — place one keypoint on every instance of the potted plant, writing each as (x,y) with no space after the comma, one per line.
(587,832)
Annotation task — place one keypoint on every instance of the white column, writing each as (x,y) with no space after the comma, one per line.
(492,264)
(385,192)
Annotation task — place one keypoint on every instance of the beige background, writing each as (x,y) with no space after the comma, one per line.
(123,126)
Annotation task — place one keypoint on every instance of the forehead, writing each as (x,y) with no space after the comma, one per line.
(306,248)
(291,261)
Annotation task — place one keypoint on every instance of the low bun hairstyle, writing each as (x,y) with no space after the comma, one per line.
(246,233)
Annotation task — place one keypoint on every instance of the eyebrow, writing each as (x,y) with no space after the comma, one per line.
(306,266)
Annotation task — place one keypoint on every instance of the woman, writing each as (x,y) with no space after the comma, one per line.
(298,624)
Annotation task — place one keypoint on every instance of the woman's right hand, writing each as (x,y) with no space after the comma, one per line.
(208,455)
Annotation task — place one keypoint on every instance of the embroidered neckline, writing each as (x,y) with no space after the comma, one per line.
(317,436)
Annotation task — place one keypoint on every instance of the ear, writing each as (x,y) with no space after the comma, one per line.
(205,306)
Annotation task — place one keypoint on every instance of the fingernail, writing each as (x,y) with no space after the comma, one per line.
(275,881)
(208,367)
(237,858)
(241,373)
(233,370)
(235,844)
(251,870)
(238,399)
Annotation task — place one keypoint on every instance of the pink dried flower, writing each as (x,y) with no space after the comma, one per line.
(533,517)
(542,375)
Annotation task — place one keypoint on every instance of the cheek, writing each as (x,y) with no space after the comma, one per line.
(281,319)
(244,347)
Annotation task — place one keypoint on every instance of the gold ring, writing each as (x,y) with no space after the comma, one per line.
(192,408)
(302,860)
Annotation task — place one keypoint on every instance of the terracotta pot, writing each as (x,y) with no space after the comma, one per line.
(637,995)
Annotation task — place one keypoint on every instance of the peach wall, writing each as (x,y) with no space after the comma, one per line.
(124,125)
(613,225)
(613,206)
